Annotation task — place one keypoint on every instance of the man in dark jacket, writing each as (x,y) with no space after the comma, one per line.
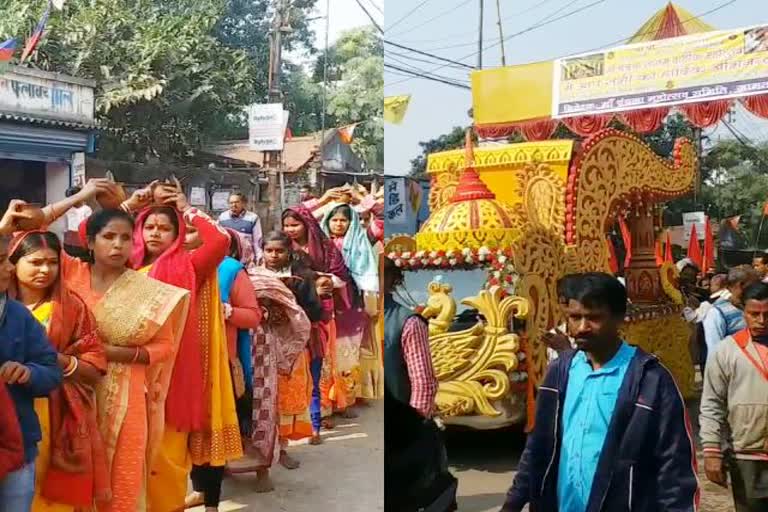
(28,367)
(612,433)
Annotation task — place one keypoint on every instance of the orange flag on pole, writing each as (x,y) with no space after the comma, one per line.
(668,257)
(613,263)
(627,237)
(694,249)
(659,257)
(709,248)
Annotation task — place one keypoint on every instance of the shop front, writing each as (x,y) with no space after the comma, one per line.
(47,123)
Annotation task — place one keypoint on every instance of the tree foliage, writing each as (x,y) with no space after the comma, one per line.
(169,73)
(356,95)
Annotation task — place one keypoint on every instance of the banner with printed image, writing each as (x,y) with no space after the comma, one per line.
(689,69)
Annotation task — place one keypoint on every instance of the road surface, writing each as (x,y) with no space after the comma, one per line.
(485,464)
(345,474)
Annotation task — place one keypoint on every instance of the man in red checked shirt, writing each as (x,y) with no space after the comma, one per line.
(408,372)
(416,473)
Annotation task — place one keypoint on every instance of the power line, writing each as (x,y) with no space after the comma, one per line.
(436,57)
(415,72)
(548,20)
(375,24)
(376,6)
(511,17)
(407,14)
(390,53)
(618,41)
(421,75)
(433,18)
(529,29)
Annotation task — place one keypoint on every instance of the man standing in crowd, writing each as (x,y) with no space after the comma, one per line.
(612,433)
(725,317)
(75,217)
(408,371)
(760,264)
(246,223)
(29,368)
(416,475)
(734,407)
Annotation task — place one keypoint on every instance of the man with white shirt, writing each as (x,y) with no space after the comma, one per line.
(74,218)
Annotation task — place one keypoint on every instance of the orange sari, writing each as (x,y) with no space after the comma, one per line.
(135,311)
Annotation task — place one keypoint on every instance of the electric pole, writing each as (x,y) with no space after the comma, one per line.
(275,95)
(480,39)
(501,34)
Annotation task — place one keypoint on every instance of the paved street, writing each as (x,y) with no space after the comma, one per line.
(485,464)
(345,474)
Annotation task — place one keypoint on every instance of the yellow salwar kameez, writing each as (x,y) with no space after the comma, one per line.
(43,315)
(220,442)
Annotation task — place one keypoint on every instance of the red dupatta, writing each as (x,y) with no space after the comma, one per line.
(184,408)
(78,472)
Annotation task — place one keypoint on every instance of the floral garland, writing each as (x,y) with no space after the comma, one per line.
(501,270)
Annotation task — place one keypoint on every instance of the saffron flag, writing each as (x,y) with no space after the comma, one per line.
(668,256)
(694,249)
(659,257)
(7,49)
(613,263)
(395,108)
(627,238)
(347,133)
(37,34)
(709,248)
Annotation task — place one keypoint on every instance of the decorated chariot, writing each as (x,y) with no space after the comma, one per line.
(526,214)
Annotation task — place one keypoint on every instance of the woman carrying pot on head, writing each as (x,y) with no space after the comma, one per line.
(335,288)
(181,246)
(342,225)
(138,321)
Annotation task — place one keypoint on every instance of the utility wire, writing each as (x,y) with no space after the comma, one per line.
(390,53)
(433,18)
(436,57)
(529,29)
(548,20)
(406,15)
(376,6)
(618,41)
(427,77)
(375,24)
(417,72)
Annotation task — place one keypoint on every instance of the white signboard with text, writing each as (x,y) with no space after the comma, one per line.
(266,127)
(78,169)
(698,219)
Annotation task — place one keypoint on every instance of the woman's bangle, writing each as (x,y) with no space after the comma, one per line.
(136,355)
(72,367)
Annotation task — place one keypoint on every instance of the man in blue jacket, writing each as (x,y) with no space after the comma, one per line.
(28,367)
(612,432)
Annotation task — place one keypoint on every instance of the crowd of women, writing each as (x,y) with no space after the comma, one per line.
(165,351)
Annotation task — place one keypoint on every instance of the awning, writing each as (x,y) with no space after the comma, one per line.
(41,144)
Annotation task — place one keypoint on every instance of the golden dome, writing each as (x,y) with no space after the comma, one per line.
(473,218)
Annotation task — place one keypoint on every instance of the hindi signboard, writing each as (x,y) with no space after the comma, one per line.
(266,127)
(30,92)
(689,69)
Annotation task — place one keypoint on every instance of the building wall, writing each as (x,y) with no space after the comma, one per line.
(57,180)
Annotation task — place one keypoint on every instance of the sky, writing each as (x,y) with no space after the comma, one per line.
(436,108)
(345,15)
